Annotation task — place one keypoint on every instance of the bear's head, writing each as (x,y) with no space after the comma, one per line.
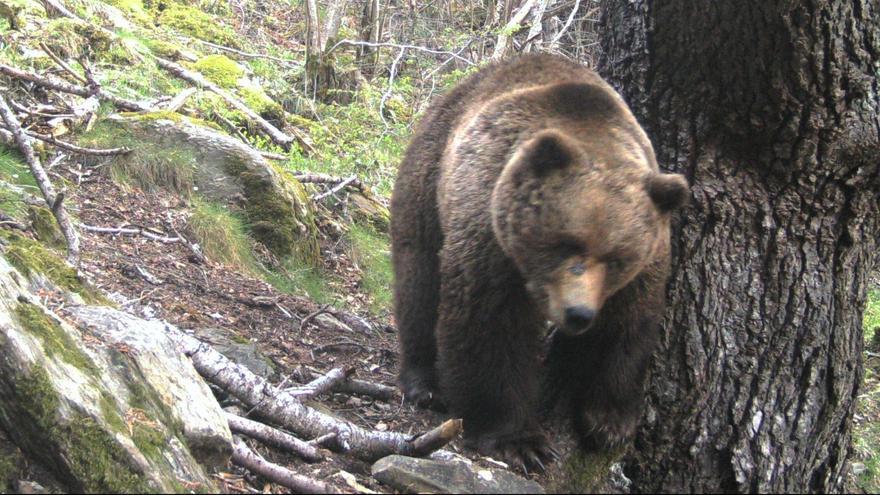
(581,218)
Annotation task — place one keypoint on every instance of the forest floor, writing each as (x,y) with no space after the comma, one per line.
(161,280)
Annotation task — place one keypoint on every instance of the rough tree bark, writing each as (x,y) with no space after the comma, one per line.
(770,108)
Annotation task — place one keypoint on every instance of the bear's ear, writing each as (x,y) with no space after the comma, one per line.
(669,191)
(549,150)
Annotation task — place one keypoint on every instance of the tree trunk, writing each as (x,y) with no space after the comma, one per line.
(770,108)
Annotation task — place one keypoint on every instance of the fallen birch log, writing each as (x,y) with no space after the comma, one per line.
(199,80)
(274,437)
(53,200)
(351,385)
(246,458)
(285,410)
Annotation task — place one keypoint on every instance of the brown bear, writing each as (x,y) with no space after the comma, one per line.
(530,193)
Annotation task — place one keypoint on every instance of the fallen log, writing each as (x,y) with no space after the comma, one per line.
(246,458)
(274,437)
(287,411)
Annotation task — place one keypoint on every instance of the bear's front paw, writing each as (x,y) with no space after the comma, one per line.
(606,430)
(420,387)
(527,450)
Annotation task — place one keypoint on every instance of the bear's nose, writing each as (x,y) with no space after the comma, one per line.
(579,317)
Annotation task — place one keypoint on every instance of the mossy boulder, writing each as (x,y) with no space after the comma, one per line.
(194,22)
(45,267)
(220,69)
(95,415)
(275,207)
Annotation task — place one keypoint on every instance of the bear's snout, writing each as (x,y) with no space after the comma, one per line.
(578,318)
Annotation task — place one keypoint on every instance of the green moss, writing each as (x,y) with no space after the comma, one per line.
(257,100)
(370,251)
(8,471)
(584,472)
(30,257)
(70,38)
(98,461)
(272,218)
(46,227)
(110,412)
(149,439)
(56,341)
(149,166)
(198,24)
(164,49)
(134,9)
(15,178)
(37,396)
(220,69)
(222,235)
(871,322)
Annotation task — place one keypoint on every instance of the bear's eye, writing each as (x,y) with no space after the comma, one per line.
(578,269)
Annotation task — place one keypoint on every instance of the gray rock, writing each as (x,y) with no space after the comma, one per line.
(225,170)
(103,416)
(170,374)
(415,475)
(238,350)
(329,321)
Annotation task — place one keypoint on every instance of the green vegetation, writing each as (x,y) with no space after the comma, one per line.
(92,454)
(194,22)
(370,251)
(866,434)
(149,166)
(222,235)
(14,178)
(54,338)
(30,257)
(220,69)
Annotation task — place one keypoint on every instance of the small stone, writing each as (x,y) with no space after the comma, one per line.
(414,475)
(858,468)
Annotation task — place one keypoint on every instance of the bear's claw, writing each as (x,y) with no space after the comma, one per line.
(523,450)
(419,389)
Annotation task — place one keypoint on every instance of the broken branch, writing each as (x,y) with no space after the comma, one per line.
(335,189)
(361,387)
(143,232)
(285,410)
(322,384)
(53,200)
(199,80)
(246,458)
(71,88)
(274,437)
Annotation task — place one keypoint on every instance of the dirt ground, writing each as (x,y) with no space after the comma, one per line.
(166,281)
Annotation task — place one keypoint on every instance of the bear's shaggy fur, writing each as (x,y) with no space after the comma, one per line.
(530,193)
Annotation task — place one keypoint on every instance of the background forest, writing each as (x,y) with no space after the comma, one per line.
(227,166)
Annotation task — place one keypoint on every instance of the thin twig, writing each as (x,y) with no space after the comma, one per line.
(71,88)
(398,45)
(335,188)
(240,53)
(143,232)
(387,93)
(62,64)
(72,147)
(53,200)
(246,458)
(308,318)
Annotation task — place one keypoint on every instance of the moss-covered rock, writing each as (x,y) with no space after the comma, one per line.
(194,22)
(92,415)
(220,69)
(276,208)
(33,258)
(45,226)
